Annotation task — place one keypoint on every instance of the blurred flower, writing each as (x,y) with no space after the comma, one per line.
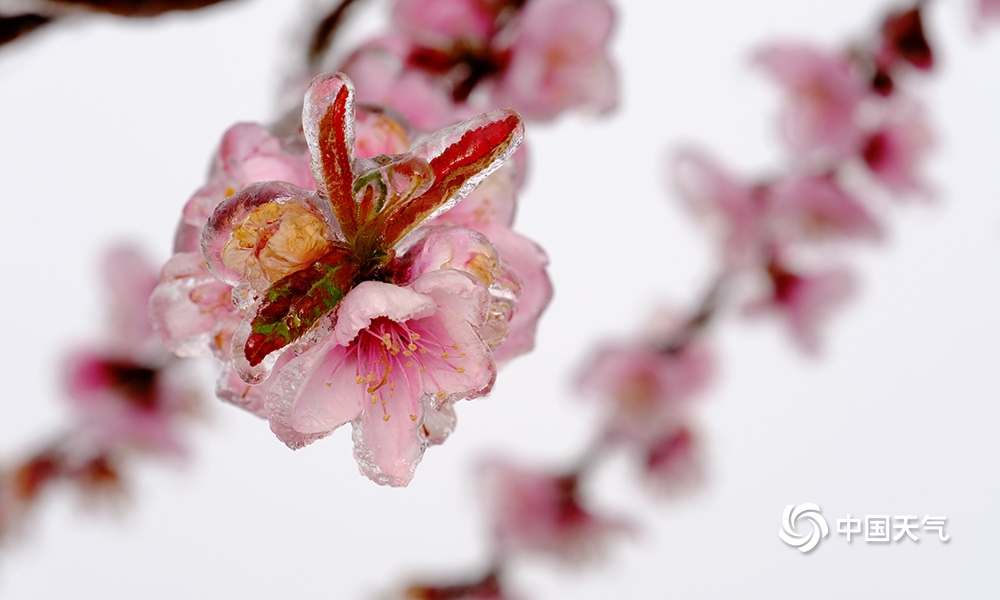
(355,292)
(823,94)
(536,511)
(895,150)
(558,60)
(803,301)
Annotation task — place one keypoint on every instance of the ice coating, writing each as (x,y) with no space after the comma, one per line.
(353,303)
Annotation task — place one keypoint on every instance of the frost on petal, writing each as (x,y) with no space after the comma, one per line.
(823,95)
(559,59)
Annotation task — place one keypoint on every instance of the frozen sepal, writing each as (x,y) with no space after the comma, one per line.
(295,303)
(328,123)
(460,156)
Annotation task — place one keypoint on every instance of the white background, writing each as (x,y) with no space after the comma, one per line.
(106,128)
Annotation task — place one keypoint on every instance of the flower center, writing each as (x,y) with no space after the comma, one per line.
(389,353)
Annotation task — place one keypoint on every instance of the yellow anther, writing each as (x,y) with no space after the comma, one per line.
(385,417)
(411,346)
(460,369)
(413,417)
(359,379)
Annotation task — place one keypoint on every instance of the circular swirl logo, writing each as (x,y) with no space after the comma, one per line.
(817,530)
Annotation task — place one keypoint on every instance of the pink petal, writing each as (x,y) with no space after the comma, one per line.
(371,299)
(314,394)
(528,262)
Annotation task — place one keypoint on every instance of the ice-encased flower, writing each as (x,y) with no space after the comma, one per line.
(330,282)
(359,217)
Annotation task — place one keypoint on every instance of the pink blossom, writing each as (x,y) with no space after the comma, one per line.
(394,353)
(365,311)
(125,392)
(247,154)
(436,21)
(816,208)
(121,401)
(895,150)
(647,386)
(819,117)
(558,59)
(988,9)
(490,210)
(380,78)
(673,463)
(535,511)
(804,301)
(735,208)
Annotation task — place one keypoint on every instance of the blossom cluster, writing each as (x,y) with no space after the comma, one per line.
(855,136)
